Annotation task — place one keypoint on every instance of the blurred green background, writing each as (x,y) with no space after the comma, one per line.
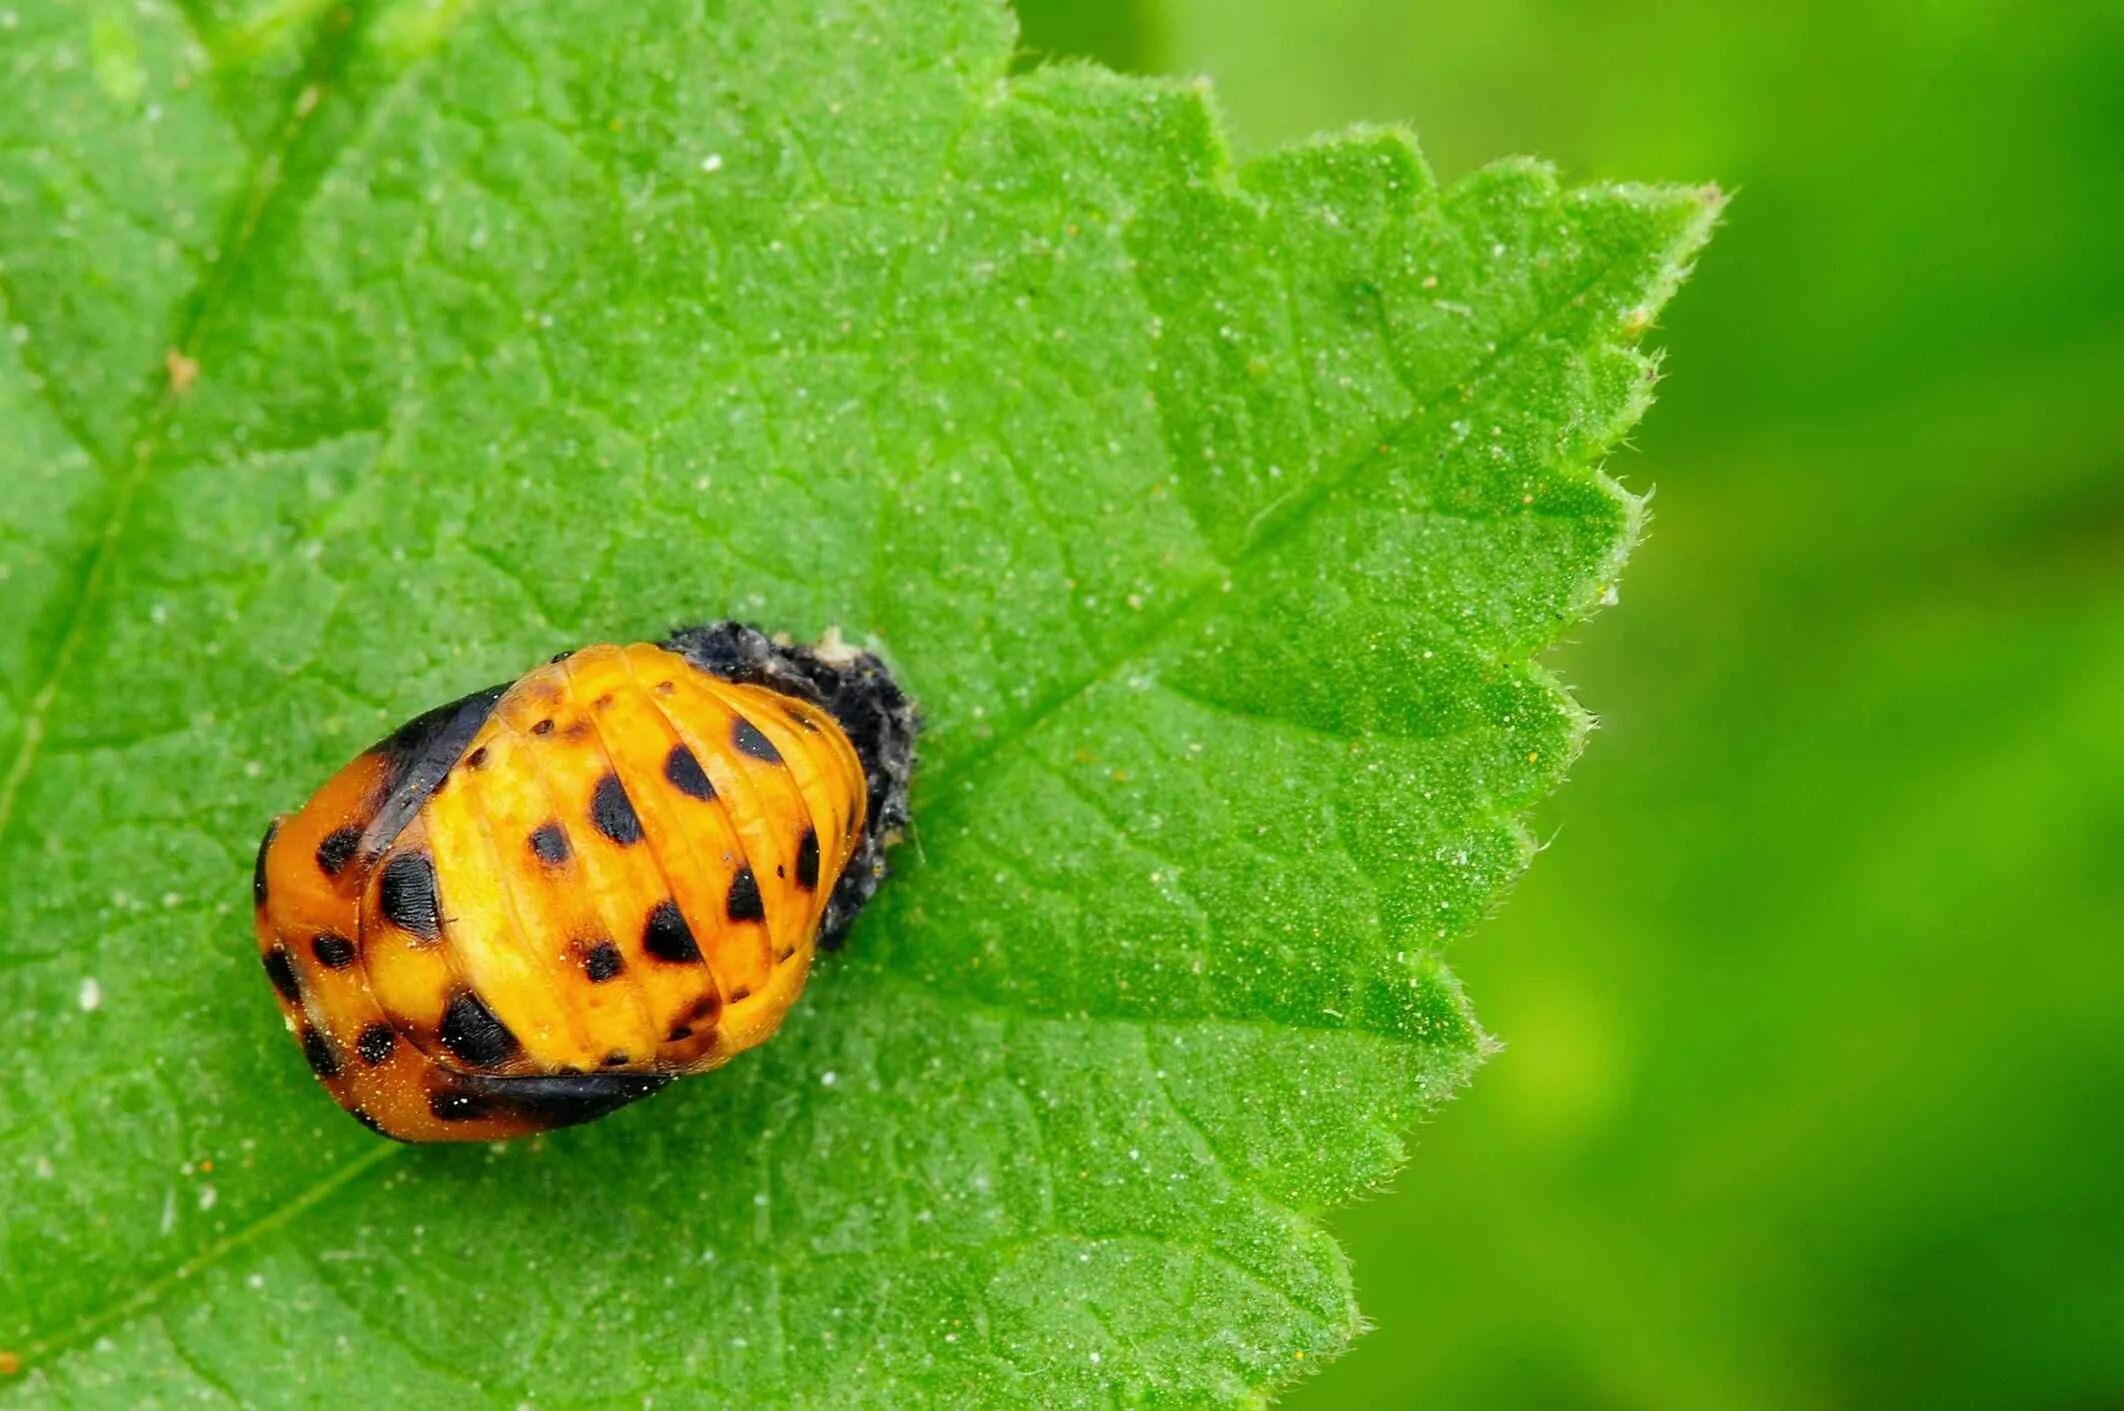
(1814,1087)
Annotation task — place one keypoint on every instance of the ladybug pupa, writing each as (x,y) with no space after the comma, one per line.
(534,905)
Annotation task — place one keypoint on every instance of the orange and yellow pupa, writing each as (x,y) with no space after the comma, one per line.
(537,904)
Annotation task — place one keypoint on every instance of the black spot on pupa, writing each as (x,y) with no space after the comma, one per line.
(371,1123)
(258,868)
(470,1030)
(802,719)
(337,847)
(477,759)
(318,1049)
(333,951)
(375,1044)
(808,860)
(748,739)
(543,727)
(407,892)
(558,657)
(784,954)
(741,992)
(684,771)
(682,1031)
(280,968)
(602,961)
(550,844)
(667,936)
(550,1100)
(417,758)
(613,812)
(665,688)
(457,1107)
(744,903)
(615,1060)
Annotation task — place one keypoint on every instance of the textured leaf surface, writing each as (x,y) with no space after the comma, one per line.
(362,358)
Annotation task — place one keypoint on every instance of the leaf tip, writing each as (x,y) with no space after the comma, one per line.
(1688,216)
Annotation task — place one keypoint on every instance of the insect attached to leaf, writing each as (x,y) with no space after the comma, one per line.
(539,903)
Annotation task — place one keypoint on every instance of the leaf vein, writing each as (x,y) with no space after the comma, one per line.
(1058,699)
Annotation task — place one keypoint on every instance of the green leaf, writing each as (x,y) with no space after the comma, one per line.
(1214,512)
